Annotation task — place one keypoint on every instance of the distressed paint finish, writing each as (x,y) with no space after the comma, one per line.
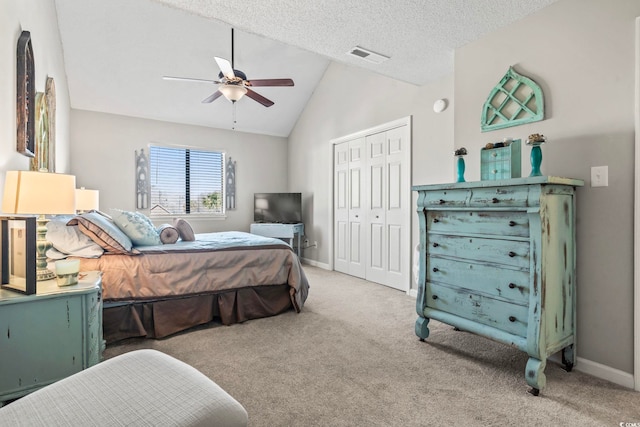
(497,258)
(50,335)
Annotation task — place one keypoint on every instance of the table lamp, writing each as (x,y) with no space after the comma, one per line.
(87,200)
(39,193)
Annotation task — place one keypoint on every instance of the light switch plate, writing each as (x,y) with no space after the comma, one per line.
(600,176)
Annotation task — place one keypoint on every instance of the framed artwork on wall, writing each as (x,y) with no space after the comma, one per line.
(25,96)
(40,160)
(50,94)
(18,252)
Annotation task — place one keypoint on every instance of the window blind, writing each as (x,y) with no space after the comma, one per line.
(186,181)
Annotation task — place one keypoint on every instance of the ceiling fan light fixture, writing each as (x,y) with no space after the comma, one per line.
(233,92)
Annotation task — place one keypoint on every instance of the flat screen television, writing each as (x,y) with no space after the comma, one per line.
(284,208)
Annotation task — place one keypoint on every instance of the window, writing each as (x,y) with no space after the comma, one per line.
(186,181)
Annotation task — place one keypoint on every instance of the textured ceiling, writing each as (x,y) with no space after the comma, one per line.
(116,51)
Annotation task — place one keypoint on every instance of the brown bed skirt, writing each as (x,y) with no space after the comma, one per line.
(159,319)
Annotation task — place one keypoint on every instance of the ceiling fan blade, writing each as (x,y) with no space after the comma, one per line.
(215,95)
(259,98)
(225,67)
(269,82)
(187,79)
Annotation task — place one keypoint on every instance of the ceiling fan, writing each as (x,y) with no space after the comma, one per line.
(233,84)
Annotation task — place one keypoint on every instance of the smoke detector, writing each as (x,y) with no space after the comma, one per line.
(367,55)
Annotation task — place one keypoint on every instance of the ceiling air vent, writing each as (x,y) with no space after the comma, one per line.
(367,55)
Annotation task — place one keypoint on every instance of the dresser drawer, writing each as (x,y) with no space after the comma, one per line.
(495,251)
(512,285)
(444,198)
(501,315)
(514,196)
(498,223)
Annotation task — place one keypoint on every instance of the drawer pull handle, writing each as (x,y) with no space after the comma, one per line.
(442,202)
(436,220)
(512,285)
(512,223)
(512,254)
(512,319)
(434,296)
(435,269)
(435,244)
(495,200)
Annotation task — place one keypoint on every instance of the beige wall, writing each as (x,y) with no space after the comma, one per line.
(103,158)
(38,17)
(348,100)
(581,52)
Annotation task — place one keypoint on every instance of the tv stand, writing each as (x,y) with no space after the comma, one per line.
(291,233)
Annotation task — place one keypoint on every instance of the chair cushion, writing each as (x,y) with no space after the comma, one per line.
(139,388)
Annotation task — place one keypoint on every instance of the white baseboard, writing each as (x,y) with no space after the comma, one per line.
(413,293)
(315,263)
(604,372)
(599,370)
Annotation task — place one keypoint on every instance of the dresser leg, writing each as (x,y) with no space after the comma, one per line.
(422,331)
(568,358)
(534,373)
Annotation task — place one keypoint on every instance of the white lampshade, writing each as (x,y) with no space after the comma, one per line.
(233,92)
(87,200)
(39,193)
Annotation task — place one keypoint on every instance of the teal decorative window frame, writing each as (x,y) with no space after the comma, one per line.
(514,101)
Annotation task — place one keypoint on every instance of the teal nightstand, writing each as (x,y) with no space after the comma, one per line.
(50,335)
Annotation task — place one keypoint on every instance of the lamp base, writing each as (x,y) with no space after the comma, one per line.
(45,274)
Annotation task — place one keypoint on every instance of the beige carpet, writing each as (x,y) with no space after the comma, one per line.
(351,358)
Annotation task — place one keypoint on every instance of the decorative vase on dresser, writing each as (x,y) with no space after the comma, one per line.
(497,258)
(50,335)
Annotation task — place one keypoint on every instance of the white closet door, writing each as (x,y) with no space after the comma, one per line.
(341,207)
(357,233)
(376,270)
(398,244)
(349,235)
(372,205)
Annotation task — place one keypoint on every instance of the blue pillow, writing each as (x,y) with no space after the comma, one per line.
(137,227)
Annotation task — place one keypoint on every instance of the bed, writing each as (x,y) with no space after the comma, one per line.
(154,291)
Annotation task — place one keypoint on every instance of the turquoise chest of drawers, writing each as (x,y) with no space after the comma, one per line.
(50,335)
(497,258)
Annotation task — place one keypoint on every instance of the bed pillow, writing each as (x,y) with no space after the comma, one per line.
(69,240)
(184,229)
(168,234)
(104,232)
(137,227)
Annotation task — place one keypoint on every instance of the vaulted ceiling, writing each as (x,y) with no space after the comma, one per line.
(117,51)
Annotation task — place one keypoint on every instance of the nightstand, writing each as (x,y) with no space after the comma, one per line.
(292,233)
(50,335)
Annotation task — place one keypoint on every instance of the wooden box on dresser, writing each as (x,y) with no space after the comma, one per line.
(50,335)
(497,258)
